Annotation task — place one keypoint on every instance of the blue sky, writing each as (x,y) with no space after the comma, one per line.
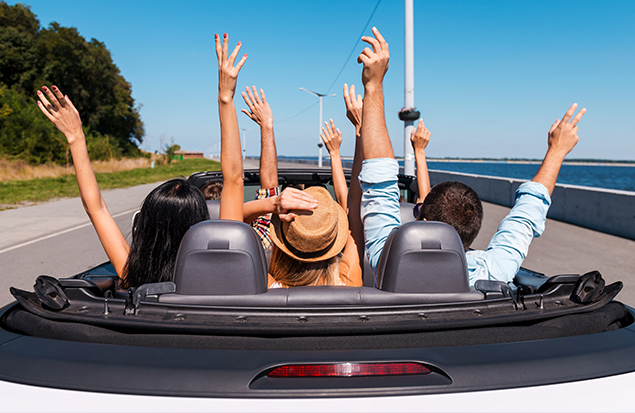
(490,76)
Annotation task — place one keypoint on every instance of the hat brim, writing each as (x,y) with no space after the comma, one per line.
(275,231)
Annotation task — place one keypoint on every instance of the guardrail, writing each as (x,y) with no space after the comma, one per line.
(605,210)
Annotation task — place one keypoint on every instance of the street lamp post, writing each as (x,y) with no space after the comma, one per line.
(319,95)
(409,114)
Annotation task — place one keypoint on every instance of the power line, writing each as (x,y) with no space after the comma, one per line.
(343,66)
(297,114)
(354,46)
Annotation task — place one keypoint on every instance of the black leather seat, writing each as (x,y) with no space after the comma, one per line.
(405,209)
(213,206)
(423,257)
(220,257)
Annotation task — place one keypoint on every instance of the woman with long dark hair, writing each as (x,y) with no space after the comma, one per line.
(166,214)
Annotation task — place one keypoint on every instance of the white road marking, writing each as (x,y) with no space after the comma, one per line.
(24,244)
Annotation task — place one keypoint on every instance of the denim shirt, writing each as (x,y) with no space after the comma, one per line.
(507,248)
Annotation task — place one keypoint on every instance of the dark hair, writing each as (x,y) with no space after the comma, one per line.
(212,189)
(455,204)
(166,215)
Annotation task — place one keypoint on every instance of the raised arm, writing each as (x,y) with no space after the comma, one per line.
(332,138)
(376,142)
(510,244)
(61,111)
(378,177)
(354,104)
(260,112)
(231,161)
(563,136)
(420,138)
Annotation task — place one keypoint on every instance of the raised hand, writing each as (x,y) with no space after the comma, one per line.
(227,72)
(61,111)
(376,60)
(292,199)
(331,136)
(563,135)
(259,110)
(420,137)
(354,105)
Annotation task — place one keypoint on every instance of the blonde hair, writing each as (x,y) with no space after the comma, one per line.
(293,273)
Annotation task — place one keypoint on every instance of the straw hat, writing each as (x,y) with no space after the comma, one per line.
(315,235)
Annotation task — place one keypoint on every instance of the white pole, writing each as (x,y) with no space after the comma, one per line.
(320,96)
(319,139)
(409,82)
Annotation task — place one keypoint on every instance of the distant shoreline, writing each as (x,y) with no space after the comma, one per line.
(537,162)
(584,162)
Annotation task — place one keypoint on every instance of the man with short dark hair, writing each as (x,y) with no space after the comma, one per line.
(455,204)
(451,202)
(458,205)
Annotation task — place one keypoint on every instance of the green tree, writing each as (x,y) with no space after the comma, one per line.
(31,57)
(18,32)
(85,71)
(170,149)
(27,134)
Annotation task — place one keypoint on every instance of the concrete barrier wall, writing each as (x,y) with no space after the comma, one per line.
(604,210)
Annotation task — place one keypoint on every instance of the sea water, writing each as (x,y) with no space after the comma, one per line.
(599,176)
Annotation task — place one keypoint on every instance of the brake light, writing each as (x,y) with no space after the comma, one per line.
(349,370)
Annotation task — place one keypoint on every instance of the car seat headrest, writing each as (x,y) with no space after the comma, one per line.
(423,257)
(220,257)
(213,206)
(406,211)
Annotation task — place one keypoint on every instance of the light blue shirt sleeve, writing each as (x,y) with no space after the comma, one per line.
(509,246)
(380,204)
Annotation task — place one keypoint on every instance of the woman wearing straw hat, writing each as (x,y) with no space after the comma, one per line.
(315,248)
(318,247)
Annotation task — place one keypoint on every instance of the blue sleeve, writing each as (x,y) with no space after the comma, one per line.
(509,246)
(380,204)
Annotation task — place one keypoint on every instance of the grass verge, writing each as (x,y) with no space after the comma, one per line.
(43,189)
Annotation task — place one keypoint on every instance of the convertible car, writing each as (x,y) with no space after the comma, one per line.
(216,339)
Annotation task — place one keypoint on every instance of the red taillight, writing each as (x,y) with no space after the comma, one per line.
(348,370)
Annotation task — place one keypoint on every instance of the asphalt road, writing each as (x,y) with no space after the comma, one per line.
(57,239)
(568,249)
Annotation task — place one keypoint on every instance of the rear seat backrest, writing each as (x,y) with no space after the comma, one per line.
(213,207)
(220,257)
(423,257)
(405,209)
